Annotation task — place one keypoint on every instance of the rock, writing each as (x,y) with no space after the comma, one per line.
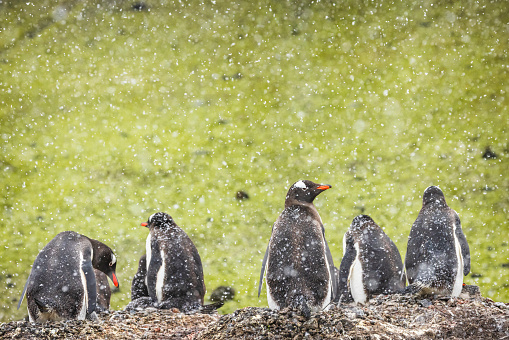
(488,154)
(241,195)
(385,317)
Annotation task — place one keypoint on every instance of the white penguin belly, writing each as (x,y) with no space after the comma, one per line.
(270,300)
(355,279)
(458,281)
(160,278)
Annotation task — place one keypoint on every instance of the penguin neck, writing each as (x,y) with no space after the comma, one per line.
(304,206)
(293,203)
(97,252)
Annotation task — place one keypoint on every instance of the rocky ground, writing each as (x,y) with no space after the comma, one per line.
(385,317)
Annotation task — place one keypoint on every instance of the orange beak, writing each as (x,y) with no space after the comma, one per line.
(144,224)
(324,187)
(114,279)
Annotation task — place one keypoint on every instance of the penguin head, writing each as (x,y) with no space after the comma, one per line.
(433,195)
(360,221)
(305,191)
(104,260)
(364,228)
(158,220)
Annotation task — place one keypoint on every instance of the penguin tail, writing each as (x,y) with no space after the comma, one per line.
(42,306)
(211,308)
(301,304)
(415,288)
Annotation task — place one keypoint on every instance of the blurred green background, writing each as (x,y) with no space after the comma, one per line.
(114,110)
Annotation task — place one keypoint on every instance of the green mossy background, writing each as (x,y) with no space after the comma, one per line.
(110,114)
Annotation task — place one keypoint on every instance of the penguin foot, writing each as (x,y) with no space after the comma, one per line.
(92,317)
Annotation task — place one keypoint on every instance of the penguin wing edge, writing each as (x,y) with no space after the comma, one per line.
(264,262)
(24,292)
(344,273)
(332,270)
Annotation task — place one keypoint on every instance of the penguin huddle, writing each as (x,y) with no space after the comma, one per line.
(300,272)
(69,276)
(68,279)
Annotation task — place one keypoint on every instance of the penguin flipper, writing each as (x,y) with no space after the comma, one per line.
(263,269)
(198,271)
(465,250)
(24,292)
(43,307)
(344,273)
(88,270)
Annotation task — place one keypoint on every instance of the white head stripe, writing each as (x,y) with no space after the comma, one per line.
(150,218)
(113,259)
(300,184)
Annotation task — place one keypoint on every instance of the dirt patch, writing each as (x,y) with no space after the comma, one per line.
(385,317)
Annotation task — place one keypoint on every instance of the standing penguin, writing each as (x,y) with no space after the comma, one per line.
(300,270)
(437,254)
(174,273)
(62,283)
(371,263)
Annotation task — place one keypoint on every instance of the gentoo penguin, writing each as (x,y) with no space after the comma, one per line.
(174,273)
(300,270)
(371,263)
(437,254)
(103,291)
(62,283)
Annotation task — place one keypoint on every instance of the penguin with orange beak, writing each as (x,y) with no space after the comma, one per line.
(62,283)
(173,274)
(300,271)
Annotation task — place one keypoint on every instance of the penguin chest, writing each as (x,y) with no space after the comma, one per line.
(355,278)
